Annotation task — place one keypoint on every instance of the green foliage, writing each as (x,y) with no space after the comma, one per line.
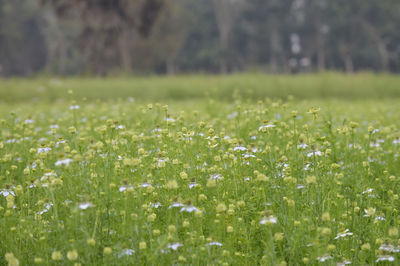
(253,86)
(272,182)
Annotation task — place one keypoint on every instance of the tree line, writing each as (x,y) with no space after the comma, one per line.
(103,37)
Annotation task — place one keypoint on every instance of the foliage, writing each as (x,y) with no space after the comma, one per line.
(276,182)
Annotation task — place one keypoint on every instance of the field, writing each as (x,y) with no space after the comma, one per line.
(201,170)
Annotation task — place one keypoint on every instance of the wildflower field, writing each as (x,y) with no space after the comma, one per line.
(240,178)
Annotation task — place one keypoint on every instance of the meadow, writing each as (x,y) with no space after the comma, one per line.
(200,170)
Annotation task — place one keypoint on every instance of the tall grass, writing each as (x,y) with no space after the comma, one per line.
(254,86)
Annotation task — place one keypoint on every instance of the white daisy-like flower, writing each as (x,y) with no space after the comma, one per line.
(74,107)
(345,262)
(65,162)
(367,191)
(124,188)
(389,248)
(324,258)
(385,258)
(216,176)
(174,246)
(176,205)
(145,185)
(6,192)
(47,207)
(189,209)
(344,234)
(214,244)
(155,205)
(126,252)
(270,219)
(43,150)
(314,153)
(85,205)
(266,126)
(192,185)
(240,148)
(302,146)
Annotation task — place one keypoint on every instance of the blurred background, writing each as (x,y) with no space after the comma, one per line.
(109,37)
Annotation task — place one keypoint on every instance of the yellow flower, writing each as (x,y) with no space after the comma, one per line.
(393,231)
(211,183)
(56,255)
(72,255)
(326,217)
(107,251)
(183,175)
(221,207)
(171,228)
(172,184)
(278,236)
(366,247)
(11,259)
(311,180)
(91,242)
(142,245)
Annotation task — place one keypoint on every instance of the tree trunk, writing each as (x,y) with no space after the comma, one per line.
(170,65)
(319,37)
(125,49)
(224,24)
(380,43)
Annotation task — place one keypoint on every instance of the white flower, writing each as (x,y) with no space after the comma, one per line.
(65,162)
(145,185)
(169,119)
(192,185)
(214,244)
(6,192)
(302,146)
(343,234)
(216,176)
(265,126)
(232,115)
(45,149)
(123,188)
(176,205)
(240,148)
(126,252)
(345,262)
(380,218)
(324,258)
(314,153)
(189,209)
(389,248)
(74,107)
(385,258)
(367,191)
(174,246)
(28,121)
(300,186)
(47,207)
(85,205)
(155,205)
(269,219)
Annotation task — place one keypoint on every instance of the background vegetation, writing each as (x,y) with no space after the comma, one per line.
(67,37)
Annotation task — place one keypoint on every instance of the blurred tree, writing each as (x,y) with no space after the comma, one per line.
(22,44)
(107,28)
